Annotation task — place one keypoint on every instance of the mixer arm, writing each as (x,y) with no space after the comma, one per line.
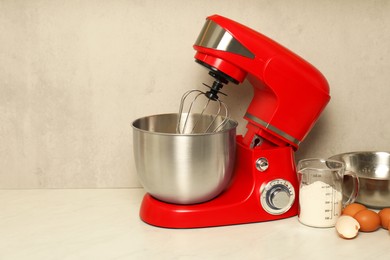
(289,93)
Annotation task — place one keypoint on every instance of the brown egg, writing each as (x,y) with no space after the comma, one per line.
(369,220)
(388,228)
(384,214)
(353,208)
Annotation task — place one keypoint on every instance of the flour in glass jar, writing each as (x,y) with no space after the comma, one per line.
(319,204)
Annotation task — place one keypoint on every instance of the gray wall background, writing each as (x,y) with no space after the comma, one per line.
(75,74)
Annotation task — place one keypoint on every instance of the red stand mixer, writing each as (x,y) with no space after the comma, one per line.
(289,96)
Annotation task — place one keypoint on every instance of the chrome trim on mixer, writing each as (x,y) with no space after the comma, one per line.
(215,37)
(273,128)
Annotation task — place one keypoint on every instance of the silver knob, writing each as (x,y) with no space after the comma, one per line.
(277,196)
(262,164)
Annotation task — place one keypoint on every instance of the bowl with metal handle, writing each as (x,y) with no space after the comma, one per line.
(373,170)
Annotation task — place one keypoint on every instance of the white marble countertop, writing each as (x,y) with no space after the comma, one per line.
(104,224)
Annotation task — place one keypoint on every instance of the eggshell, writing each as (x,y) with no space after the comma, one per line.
(347,227)
(384,214)
(353,208)
(369,220)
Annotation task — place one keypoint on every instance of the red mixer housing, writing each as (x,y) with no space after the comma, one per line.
(289,96)
(289,93)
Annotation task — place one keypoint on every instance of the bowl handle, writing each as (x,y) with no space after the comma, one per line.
(355,188)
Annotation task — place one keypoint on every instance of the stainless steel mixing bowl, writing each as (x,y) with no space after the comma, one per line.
(183,168)
(373,170)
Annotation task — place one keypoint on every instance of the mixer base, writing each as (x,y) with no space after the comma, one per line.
(239,204)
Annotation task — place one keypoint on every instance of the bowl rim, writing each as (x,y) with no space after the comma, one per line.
(360,152)
(233,126)
(360,175)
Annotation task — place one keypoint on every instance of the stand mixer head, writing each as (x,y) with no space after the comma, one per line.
(289,93)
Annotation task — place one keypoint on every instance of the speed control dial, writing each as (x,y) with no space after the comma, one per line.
(277,196)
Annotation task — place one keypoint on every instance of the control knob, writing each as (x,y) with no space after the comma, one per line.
(277,196)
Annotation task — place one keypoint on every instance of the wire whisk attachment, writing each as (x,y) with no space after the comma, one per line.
(212,116)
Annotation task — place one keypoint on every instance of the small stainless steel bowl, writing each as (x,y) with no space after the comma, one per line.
(183,168)
(373,170)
